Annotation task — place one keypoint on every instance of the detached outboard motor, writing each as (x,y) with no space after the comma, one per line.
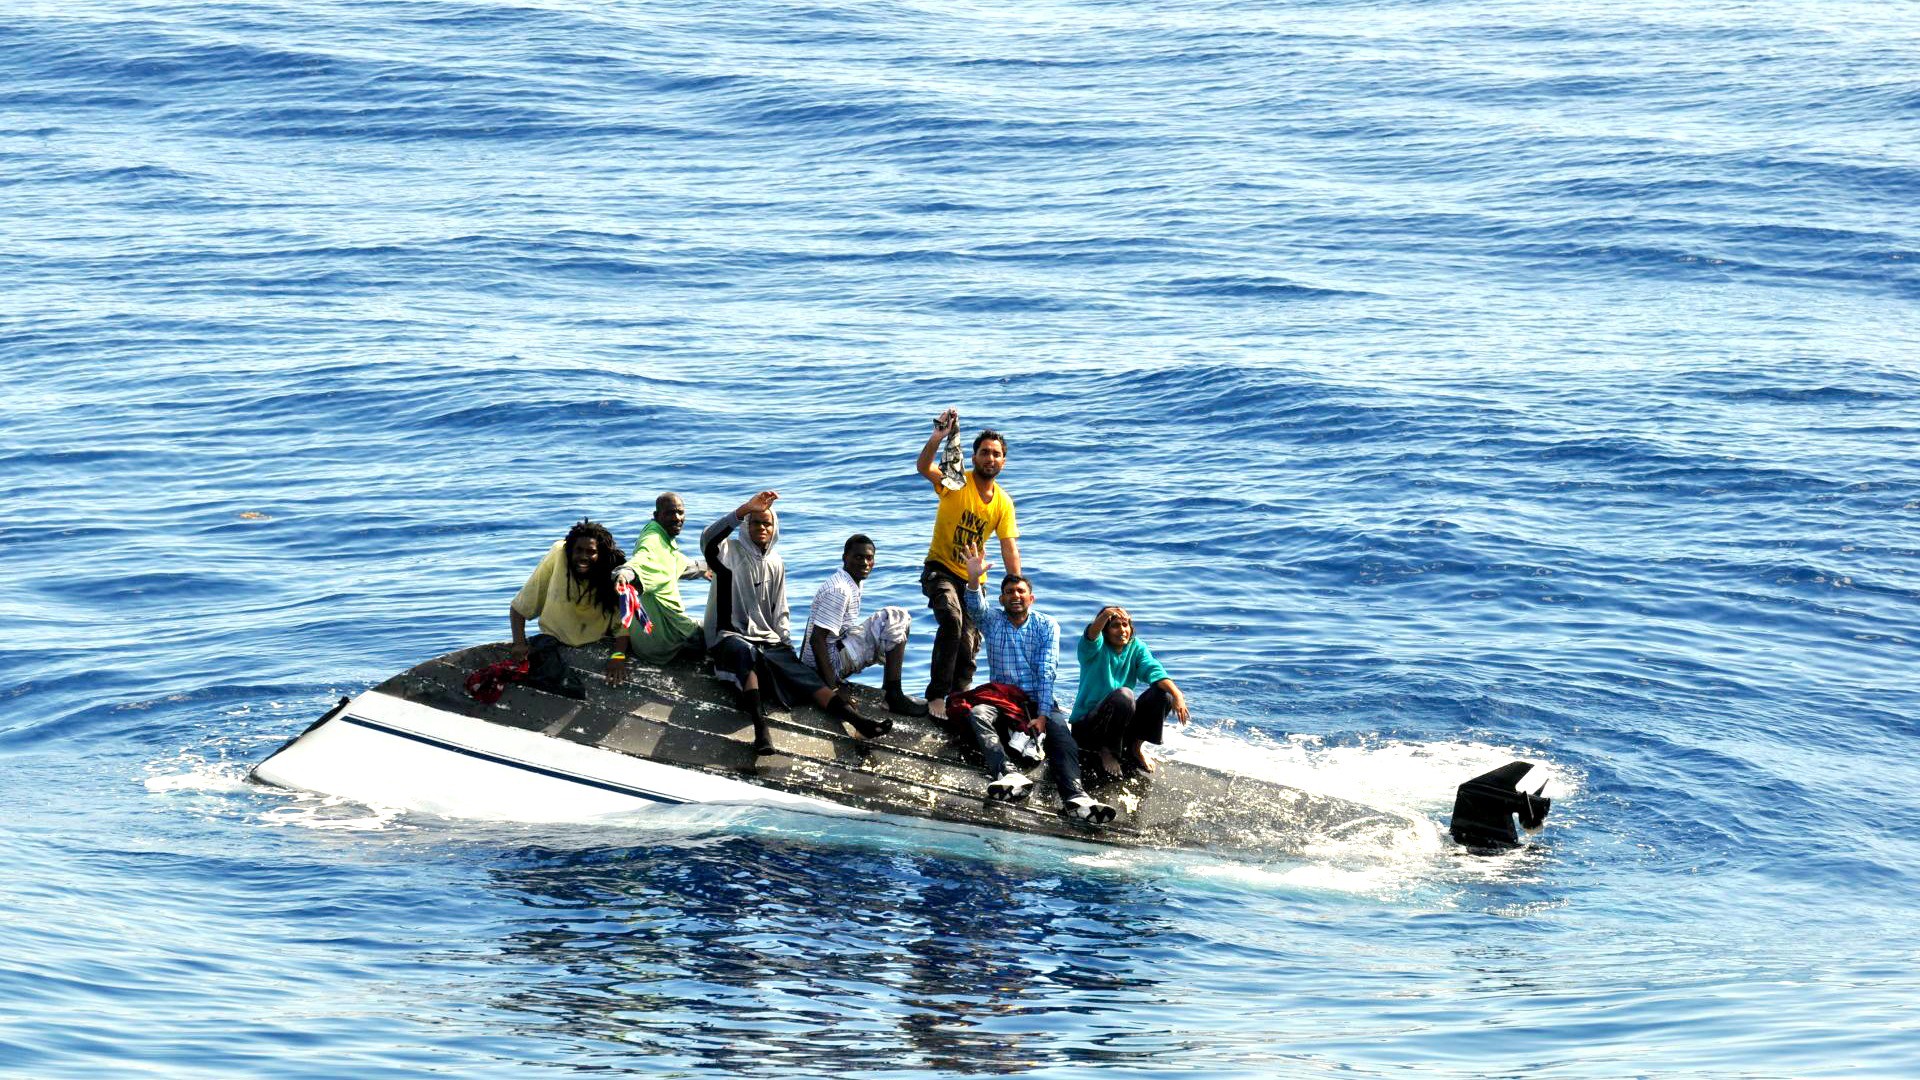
(1486,806)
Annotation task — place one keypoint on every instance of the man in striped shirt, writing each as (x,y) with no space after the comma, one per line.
(1023,655)
(838,644)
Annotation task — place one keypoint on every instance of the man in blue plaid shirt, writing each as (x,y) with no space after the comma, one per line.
(1023,655)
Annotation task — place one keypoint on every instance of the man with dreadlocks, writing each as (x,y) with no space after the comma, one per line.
(572,594)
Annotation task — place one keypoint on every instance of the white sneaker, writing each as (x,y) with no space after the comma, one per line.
(1083,808)
(1011,787)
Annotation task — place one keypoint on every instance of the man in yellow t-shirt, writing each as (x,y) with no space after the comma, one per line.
(965,517)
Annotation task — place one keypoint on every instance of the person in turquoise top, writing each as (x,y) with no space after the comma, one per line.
(658,566)
(1106,717)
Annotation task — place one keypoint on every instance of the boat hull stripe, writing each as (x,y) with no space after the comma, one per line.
(441,744)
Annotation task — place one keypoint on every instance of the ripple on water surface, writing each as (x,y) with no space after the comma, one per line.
(1434,384)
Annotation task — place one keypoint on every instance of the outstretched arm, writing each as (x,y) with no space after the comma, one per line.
(943,426)
(531,600)
(617,659)
(1151,671)
(977,567)
(822,662)
(711,536)
(519,624)
(1179,699)
(1010,554)
(759,504)
(647,570)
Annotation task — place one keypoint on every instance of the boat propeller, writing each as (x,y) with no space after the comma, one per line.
(1490,810)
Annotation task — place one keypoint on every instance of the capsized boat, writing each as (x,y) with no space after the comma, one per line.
(672,735)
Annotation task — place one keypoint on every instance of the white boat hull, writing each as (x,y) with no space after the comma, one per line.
(420,742)
(385,751)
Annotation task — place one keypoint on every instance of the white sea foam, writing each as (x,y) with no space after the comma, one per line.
(222,778)
(1414,777)
(188,774)
(331,814)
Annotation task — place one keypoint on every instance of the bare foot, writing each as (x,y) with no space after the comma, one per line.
(1140,759)
(1109,763)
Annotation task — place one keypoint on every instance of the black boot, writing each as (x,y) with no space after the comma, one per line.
(899,704)
(762,737)
(843,709)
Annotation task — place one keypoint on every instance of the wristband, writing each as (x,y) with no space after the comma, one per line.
(619,656)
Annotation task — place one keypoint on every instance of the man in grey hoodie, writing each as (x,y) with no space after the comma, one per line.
(747,629)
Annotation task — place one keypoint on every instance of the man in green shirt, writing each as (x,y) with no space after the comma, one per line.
(658,566)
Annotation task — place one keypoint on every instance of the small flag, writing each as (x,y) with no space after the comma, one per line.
(630,606)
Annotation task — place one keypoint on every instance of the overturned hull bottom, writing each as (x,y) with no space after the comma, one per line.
(672,735)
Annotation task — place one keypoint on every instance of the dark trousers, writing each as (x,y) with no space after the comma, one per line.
(547,668)
(955,639)
(990,725)
(1119,720)
(783,678)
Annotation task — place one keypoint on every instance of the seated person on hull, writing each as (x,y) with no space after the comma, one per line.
(1023,649)
(838,644)
(573,595)
(747,623)
(1107,719)
(657,566)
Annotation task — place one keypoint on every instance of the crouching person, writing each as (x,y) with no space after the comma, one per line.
(1108,719)
(747,628)
(839,645)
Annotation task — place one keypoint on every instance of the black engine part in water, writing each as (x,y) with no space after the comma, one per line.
(1490,810)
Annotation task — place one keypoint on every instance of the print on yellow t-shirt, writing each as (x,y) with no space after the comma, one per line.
(964,518)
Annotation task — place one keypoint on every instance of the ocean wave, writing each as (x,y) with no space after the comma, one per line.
(1255,288)
(1434,383)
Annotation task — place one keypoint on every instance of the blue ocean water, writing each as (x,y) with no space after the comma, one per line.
(1437,381)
